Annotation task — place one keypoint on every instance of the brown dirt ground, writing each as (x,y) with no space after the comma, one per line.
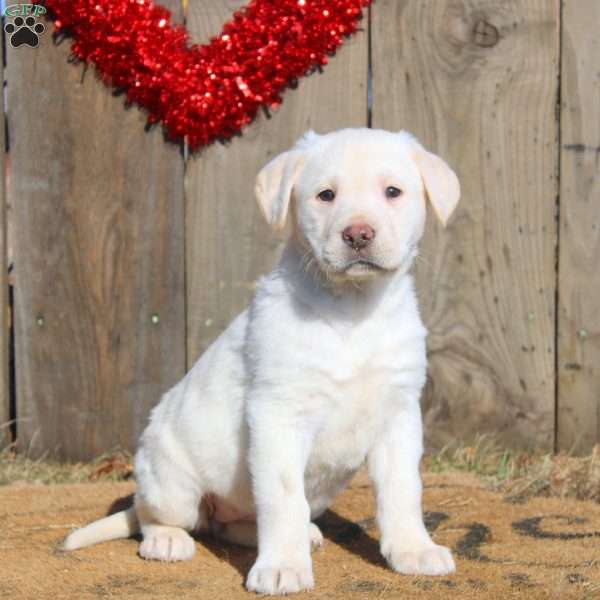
(535,548)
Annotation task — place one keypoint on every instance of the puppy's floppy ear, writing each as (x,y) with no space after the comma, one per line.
(273,189)
(441,183)
(274,183)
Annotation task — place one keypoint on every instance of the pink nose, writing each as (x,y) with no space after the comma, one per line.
(358,236)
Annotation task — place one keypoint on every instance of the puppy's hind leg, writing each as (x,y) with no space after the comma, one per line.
(167,544)
(165,531)
(315,535)
(166,513)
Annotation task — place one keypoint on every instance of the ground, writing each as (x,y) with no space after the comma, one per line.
(506,545)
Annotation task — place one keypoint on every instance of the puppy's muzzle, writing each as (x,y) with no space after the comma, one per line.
(358,236)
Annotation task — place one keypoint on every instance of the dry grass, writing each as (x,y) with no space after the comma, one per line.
(517,474)
(20,468)
(520,474)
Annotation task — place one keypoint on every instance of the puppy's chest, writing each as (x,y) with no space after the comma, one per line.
(353,414)
(355,389)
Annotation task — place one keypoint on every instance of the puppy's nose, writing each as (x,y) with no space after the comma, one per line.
(358,236)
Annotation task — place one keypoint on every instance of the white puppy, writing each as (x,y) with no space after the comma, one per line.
(323,371)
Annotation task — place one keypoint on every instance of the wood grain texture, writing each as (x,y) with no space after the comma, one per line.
(579,274)
(228,244)
(98,251)
(4,309)
(476,81)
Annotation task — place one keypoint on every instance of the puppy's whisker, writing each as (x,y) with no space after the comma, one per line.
(306,260)
(309,264)
(423,260)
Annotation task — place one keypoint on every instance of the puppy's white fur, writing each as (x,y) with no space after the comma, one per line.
(323,371)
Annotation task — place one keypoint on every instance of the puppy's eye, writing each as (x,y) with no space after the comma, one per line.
(326,195)
(392,192)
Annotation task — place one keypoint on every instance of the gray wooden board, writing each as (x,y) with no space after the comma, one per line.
(476,81)
(99,253)
(579,272)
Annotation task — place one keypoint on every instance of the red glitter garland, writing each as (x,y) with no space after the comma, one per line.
(205,92)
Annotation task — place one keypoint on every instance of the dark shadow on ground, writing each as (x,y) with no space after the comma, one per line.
(353,536)
(240,558)
(120,504)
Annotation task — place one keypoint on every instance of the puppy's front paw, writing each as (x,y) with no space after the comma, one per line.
(279,579)
(431,560)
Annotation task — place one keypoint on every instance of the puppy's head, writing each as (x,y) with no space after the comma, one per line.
(356,198)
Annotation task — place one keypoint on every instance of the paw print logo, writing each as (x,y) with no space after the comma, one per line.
(24,32)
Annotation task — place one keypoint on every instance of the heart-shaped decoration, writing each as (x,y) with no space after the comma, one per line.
(205,92)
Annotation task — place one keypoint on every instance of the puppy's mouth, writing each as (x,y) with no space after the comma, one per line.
(363,265)
(355,267)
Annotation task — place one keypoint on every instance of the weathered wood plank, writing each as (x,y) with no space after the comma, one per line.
(228,245)
(579,275)
(4,314)
(99,253)
(476,82)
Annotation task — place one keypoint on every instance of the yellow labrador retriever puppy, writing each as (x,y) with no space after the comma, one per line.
(321,373)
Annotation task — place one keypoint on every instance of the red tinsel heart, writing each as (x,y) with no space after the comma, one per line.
(208,92)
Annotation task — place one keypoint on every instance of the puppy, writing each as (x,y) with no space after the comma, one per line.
(322,372)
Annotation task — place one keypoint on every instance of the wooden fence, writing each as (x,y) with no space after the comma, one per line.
(128,260)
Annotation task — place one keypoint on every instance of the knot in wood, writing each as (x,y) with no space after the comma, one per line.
(485,34)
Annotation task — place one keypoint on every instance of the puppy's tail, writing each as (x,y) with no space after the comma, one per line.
(114,527)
